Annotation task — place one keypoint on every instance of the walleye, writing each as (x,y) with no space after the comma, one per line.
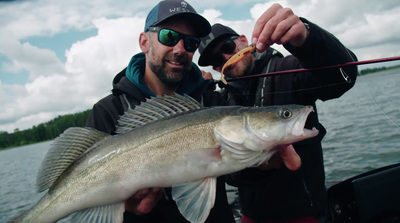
(167,141)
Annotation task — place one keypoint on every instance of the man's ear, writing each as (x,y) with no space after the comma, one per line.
(144,42)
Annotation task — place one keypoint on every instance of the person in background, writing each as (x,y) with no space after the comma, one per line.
(272,192)
(171,36)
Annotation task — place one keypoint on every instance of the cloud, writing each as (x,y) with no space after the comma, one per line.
(23,19)
(367,29)
(60,88)
(84,78)
(95,61)
(24,56)
(55,87)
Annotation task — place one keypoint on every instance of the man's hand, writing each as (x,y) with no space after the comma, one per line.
(286,156)
(278,25)
(143,201)
(207,75)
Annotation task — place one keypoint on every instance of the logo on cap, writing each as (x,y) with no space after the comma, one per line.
(183,8)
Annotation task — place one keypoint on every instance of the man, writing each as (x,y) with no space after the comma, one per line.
(170,38)
(270,192)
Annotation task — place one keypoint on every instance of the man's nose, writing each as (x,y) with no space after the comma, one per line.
(179,47)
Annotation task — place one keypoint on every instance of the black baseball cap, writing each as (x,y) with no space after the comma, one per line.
(218,33)
(177,8)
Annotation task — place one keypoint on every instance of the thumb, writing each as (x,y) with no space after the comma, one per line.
(290,158)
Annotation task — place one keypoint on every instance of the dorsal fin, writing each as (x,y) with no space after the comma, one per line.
(65,149)
(154,109)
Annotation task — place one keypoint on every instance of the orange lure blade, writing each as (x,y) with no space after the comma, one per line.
(236,58)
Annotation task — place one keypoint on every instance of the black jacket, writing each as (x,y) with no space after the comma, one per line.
(104,117)
(282,193)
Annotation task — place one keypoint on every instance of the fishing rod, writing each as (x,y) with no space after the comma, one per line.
(318,68)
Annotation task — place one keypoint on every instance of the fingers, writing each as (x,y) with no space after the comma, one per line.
(260,26)
(286,156)
(207,75)
(290,158)
(143,201)
(278,25)
(150,200)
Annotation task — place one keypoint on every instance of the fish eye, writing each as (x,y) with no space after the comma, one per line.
(285,113)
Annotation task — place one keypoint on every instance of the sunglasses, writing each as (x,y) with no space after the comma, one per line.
(170,37)
(228,47)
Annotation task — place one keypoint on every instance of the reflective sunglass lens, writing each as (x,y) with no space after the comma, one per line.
(168,37)
(171,38)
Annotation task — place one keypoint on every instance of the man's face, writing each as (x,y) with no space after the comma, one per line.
(223,52)
(170,63)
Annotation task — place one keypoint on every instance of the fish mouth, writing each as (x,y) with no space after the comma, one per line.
(298,129)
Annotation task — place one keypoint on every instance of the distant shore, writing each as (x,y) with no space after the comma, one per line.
(377,69)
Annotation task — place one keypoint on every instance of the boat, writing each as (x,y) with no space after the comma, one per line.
(370,197)
(373,196)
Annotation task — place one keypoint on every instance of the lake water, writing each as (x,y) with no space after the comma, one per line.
(363,134)
(363,126)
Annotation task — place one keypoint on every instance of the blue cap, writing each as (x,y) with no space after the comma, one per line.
(177,8)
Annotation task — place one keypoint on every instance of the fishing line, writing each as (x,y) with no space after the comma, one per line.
(382,111)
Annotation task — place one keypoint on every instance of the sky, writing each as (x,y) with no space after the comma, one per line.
(59,57)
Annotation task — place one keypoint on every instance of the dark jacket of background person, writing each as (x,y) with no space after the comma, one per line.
(282,193)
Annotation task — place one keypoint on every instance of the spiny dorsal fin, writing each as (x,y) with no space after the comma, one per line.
(65,149)
(154,109)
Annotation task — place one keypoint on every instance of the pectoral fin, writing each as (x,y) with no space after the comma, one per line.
(104,214)
(195,199)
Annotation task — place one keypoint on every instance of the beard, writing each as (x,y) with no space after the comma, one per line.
(243,68)
(171,77)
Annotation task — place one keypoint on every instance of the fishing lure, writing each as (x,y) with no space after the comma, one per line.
(236,58)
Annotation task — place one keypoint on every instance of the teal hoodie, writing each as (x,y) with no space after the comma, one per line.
(135,73)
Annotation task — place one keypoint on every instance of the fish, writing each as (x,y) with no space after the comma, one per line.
(169,141)
(235,59)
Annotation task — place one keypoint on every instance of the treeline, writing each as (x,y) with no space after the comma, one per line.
(44,131)
(377,69)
